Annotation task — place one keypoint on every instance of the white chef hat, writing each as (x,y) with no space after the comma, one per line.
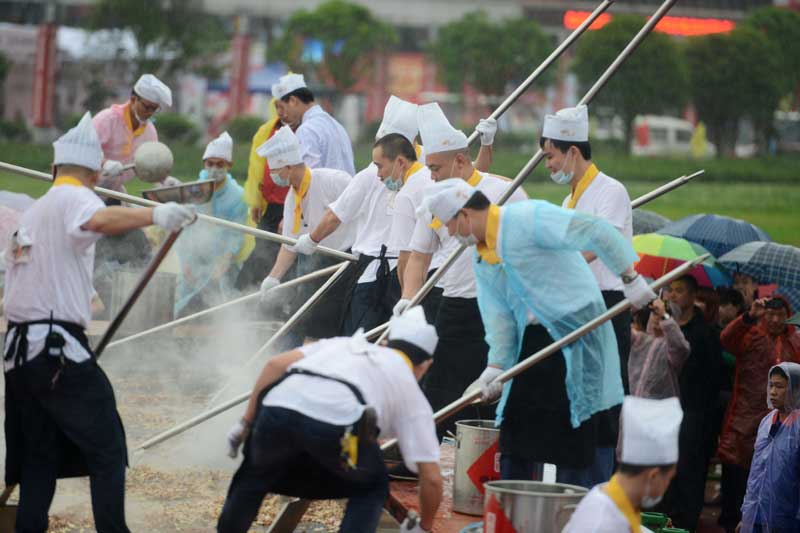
(221,147)
(445,198)
(400,117)
(287,84)
(412,327)
(151,88)
(80,146)
(281,149)
(650,431)
(436,132)
(568,124)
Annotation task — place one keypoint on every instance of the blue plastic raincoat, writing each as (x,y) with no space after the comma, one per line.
(772,502)
(202,245)
(542,274)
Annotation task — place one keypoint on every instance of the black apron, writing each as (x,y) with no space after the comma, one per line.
(458,361)
(536,419)
(31,387)
(368,305)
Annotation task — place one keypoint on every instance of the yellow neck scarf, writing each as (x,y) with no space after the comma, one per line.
(405,358)
(488,249)
(417,150)
(138,131)
(67,180)
(475,179)
(413,169)
(298,199)
(620,499)
(583,184)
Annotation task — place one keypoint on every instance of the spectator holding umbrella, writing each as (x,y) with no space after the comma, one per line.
(758,340)
(747,287)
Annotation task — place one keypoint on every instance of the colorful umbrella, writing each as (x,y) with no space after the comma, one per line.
(659,254)
(717,234)
(767,262)
(645,221)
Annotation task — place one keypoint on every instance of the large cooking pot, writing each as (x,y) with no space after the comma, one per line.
(529,506)
(477,461)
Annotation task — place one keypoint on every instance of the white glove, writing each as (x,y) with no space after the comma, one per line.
(638,292)
(172,216)
(268,284)
(487,127)
(305,245)
(236,437)
(411,525)
(110,174)
(171,181)
(400,306)
(486,382)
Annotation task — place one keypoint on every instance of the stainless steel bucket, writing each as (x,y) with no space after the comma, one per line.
(529,506)
(477,461)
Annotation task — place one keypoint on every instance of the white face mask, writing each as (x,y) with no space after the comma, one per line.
(278,180)
(561,177)
(391,183)
(648,502)
(217,174)
(466,240)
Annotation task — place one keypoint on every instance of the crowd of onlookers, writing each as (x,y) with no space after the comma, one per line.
(714,350)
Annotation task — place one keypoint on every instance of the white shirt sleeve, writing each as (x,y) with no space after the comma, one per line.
(82,206)
(416,436)
(309,144)
(349,204)
(424,239)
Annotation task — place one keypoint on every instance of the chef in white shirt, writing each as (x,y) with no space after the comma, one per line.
(307,406)
(568,156)
(647,457)
(61,416)
(312,191)
(325,142)
(368,204)
(461,356)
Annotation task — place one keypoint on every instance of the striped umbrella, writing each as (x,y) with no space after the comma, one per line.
(766,262)
(645,221)
(659,254)
(717,234)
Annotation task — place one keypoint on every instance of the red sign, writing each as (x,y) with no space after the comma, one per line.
(687,26)
(486,467)
(495,520)
(44,76)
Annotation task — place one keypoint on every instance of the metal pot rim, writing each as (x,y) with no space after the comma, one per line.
(474,424)
(496,486)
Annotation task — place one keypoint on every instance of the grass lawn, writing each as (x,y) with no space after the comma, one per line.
(764,192)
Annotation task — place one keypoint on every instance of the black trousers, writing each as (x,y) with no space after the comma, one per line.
(733,488)
(459,359)
(65,430)
(684,499)
(263,256)
(291,454)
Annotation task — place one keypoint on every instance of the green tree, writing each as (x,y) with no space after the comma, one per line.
(782,28)
(733,77)
(5,66)
(488,55)
(170,36)
(653,80)
(350,37)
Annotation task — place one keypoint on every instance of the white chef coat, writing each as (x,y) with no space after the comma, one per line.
(384,379)
(324,141)
(408,199)
(368,205)
(459,280)
(597,513)
(608,199)
(325,187)
(58,276)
